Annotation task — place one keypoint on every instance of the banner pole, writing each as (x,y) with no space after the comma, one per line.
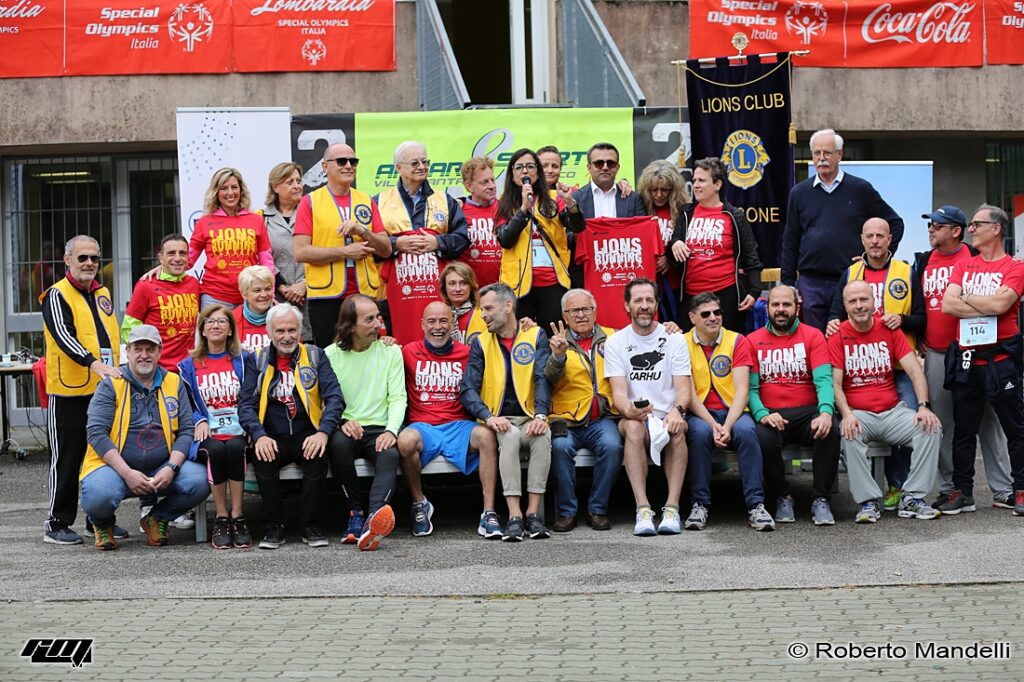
(681,160)
(711,60)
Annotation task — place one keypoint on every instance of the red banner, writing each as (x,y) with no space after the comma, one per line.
(314,35)
(863,33)
(1004,31)
(31,34)
(147,36)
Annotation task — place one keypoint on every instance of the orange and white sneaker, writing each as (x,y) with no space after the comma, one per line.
(104,538)
(155,530)
(377,527)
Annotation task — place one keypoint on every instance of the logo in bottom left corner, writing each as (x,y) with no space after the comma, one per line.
(77,652)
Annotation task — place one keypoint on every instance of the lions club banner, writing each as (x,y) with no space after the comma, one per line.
(741,113)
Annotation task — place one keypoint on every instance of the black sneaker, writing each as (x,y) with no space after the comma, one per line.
(957,502)
(221,533)
(240,536)
(313,537)
(121,534)
(535,527)
(273,538)
(1003,502)
(514,530)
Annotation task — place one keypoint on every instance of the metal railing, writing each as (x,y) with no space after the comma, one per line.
(594,72)
(440,80)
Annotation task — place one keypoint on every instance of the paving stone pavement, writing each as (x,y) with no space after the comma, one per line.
(727,635)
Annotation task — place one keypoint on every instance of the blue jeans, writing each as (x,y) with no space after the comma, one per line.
(603,439)
(897,464)
(104,489)
(700,440)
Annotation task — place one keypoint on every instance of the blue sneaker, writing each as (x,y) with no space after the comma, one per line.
(784,512)
(490,527)
(62,536)
(356,518)
(421,515)
(821,512)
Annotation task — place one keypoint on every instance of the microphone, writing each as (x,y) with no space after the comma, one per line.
(527,183)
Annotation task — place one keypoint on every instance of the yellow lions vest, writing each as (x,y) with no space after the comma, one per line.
(475,326)
(306,381)
(397,219)
(896,297)
(167,401)
(718,371)
(64,376)
(572,395)
(328,280)
(524,353)
(517,262)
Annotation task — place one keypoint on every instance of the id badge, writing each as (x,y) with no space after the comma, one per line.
(978,331)
(224,422)
(107,356)
(541,257)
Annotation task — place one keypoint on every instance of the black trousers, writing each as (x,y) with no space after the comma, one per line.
(323,319)
(798,430)
(543,305)
(65,431)
(999,384)
(314,477)
(732,319)
(344,452)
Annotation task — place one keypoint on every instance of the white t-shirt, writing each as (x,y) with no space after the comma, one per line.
(648,363)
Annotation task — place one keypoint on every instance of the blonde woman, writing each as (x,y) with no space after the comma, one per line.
(256,285)
(663,193)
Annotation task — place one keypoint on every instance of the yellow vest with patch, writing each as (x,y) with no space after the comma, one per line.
(64,376)
(306,381)
(397,219)
(475,327)
(523,355)
(715,372)
(329,280)
(517,262)
(896,297)
(167,402)
(573,394)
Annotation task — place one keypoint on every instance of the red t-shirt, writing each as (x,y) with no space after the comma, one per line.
(231,244)
(941,329)
(785,366)
(741,357)
(876,278)
(868,360)
(432,383)
(412,281)
(218,384)
(666,226)
(614,252)
(304,226)
(712,262)
(171,307)
(284,392)
(484,252)
(253,337)
(977,276)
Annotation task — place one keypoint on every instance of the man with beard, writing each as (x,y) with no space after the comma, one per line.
(649,373)
(792,401)
(140,431)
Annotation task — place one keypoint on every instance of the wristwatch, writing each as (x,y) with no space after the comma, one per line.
(173,467)
(681,410)
(542,417)
(925,403)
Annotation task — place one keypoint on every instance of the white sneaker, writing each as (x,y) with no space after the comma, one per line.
(698,517)
(184,522)
(669,521)
(644,526)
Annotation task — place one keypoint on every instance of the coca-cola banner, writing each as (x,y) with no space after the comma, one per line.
(279,35)
(872,33)
(1004,30)
(30,38)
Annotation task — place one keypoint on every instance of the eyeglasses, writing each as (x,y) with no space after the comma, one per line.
(343,161)
(88,257)
(419,163)
(827,153)
(523,167)
(604,163)
(705,314)
(939,226)
(978,223)
(584,310)
(216,321)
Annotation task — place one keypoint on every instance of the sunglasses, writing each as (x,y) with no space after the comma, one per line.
(88,257)
(705,314)
(604,163)
(343,161)
(418,163)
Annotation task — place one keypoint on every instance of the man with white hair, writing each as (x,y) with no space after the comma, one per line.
(424,225)
(290,403)
(823,224)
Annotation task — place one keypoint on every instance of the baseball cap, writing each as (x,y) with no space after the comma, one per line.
(145,332)
(947,215)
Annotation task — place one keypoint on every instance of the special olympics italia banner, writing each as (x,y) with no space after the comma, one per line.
(869,33)
(314,35)
(1004,31)
(742,113)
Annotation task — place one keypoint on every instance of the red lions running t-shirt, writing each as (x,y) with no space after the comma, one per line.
(983,278)
(231,244)
(253,337)
(666,227)
(741,357)
(876,278)
(432,383)
(218,387)
(484,252)
(412,281)
(785,366)
(868,360)
(614,252)
(284,391)
(171,307)
(712,262)
(941,329)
